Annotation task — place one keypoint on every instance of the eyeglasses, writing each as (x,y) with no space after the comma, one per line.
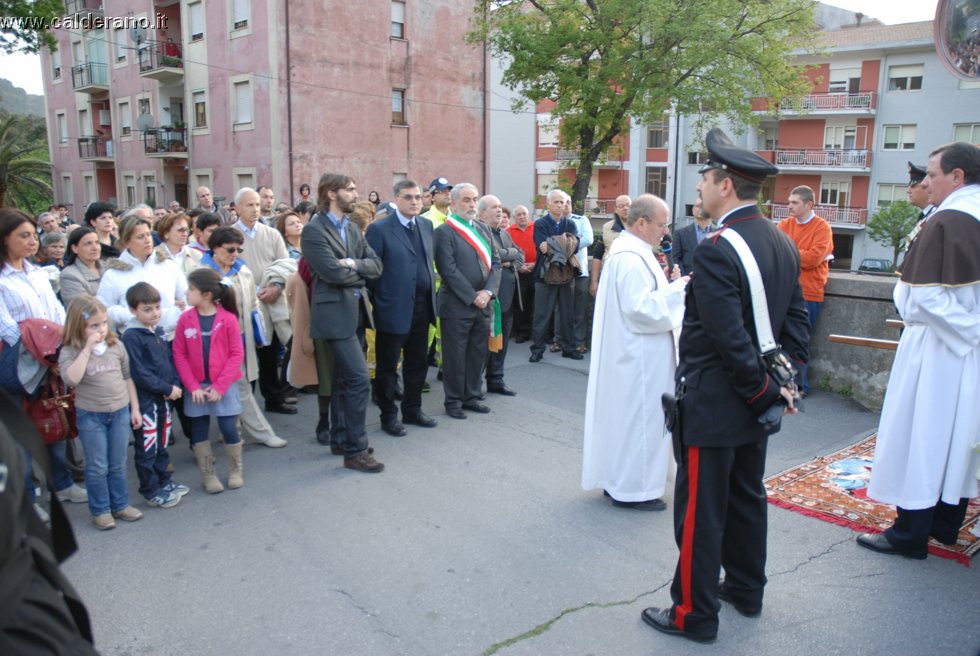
(231,250)
(412,197)
(181,229)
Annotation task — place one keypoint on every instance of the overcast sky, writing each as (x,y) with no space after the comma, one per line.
(25,70)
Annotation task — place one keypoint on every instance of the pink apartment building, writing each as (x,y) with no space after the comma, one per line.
(233,93)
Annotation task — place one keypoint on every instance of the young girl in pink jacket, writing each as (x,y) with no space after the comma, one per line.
(208,356)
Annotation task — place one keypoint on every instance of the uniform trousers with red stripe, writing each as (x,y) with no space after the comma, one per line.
(719,521)
(150,444)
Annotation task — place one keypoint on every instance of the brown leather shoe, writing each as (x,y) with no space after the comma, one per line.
(364,462)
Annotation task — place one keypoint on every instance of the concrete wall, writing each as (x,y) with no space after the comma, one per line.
(858,305)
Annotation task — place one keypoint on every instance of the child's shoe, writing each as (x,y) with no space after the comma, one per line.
(128,514)
(163,499)
(176,488)
(104,522)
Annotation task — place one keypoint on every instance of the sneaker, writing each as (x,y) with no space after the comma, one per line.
(364,462)
(128,514)
(176,488)
(75,494)
(104,522)
(163,499)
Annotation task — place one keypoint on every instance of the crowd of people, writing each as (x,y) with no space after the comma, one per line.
(181,313)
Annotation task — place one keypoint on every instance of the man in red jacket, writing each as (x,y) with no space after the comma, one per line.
(815,241)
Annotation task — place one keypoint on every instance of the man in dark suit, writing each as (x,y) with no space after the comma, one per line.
(509,294)
(470,270)
(687,238)
(342,262)
(720,519)
(404,299)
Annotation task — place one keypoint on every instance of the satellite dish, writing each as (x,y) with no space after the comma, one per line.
(957,36)
(145,122)
(138,34)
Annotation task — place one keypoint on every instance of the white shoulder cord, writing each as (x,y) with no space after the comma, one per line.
(760,310)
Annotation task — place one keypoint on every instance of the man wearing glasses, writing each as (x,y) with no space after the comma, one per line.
(404,306)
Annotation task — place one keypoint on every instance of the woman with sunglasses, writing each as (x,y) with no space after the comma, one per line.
(225,246)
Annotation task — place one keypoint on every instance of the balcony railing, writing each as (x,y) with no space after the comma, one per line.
(90,76)
(157,58)
(95,148)
(830,102)
(823,159)
(855,216)
(83,7)
(165,142)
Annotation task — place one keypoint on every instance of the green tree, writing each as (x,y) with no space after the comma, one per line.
(605,61)
(25,173)
(23,32)
(890,225)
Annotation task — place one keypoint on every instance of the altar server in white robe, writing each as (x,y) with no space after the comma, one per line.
(638,313)
(925,462)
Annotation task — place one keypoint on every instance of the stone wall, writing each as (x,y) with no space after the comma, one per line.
(854,304)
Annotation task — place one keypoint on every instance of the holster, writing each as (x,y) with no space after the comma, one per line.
(673,420)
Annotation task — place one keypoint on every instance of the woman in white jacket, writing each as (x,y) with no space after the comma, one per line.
(138,263)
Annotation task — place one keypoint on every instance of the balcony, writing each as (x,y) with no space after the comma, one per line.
(850,217)
(95,149)
(84,11)
(862,103)
(165,143)
(805,159)
(91,77)
(161,61)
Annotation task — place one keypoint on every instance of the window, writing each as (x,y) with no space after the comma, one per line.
(119,38)
(398,107)
(125,119)
(845,80)
(839,137)
(834,194)
(905,78)
(89,189)
(240,14)
(56,65)
(149,190)
(968,132)
(547,131)
(144,105)
(67,193)
(397,19)
(889,193)
(657,181)
(899,137)
(242,109)
(129,182)
(62,122)
(243,178)
(84,124)
(200,110)
(697,158)
(768,138)
(196,12)
(658,134)
(202,180)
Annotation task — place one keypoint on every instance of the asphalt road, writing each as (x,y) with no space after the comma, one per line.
(477,539)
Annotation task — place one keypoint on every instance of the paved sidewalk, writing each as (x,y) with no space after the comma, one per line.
(478,539)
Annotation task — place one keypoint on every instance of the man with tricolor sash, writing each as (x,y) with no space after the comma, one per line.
(468,309)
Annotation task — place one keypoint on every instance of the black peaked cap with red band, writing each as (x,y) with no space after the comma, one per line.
(726,156)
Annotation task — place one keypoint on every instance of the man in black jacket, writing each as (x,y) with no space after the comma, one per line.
(687,238)
(720,517)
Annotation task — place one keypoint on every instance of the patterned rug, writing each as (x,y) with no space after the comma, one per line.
(833,488)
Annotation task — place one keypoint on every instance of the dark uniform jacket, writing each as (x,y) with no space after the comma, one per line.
(720,362)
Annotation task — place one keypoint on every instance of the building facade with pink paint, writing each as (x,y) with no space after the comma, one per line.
(233,93)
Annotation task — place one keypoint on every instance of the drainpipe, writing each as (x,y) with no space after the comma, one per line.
(289,107)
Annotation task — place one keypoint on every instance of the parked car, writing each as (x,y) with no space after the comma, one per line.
(875,265)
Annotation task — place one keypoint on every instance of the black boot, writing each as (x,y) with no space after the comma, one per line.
(323,426)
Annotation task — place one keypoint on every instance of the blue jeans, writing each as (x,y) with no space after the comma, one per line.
(813,312)
(58,458)
(105,438)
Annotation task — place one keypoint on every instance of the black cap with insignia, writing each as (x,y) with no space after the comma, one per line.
(726,156)
(916,174)
(439,184)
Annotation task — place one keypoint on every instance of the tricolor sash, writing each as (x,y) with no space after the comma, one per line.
(473,237)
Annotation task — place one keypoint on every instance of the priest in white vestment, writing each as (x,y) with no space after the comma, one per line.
(925,462)
(637,316)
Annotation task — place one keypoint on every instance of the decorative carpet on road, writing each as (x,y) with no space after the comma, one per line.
(833,488)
